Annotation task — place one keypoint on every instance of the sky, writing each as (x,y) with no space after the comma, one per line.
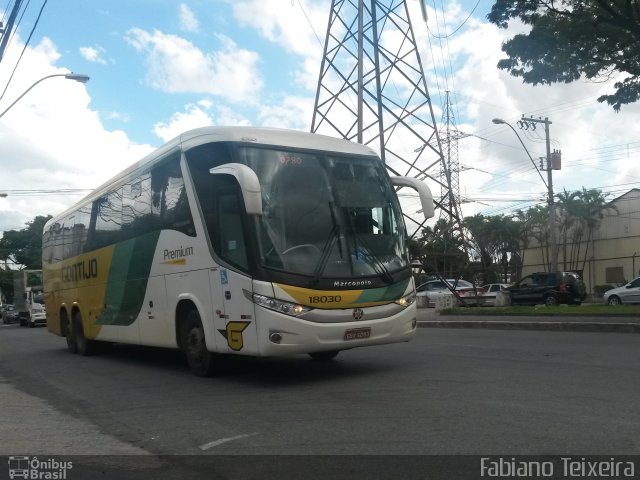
(158,68)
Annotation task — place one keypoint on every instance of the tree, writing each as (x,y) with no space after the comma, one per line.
(580,212)
(572,38)
(24,246)
(441,251)
(595,205)
(569,209)
(494,240)
(533,224)
(6,284)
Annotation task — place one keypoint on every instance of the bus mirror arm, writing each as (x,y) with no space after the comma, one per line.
(249,184)
(426,198)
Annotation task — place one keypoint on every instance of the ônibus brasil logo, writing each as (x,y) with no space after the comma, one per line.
(34,469)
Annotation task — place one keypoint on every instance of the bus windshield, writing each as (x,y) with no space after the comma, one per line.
(326,215)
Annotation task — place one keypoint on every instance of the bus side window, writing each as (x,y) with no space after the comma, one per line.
(230,241)
(169,198)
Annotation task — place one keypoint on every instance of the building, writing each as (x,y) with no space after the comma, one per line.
(612,254)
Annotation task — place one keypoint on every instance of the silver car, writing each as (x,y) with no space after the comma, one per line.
(491,292)
(427,292)
(629,293)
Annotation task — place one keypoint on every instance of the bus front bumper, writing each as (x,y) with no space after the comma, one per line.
(283,335)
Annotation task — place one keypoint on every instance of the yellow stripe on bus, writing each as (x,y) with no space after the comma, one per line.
(327,298)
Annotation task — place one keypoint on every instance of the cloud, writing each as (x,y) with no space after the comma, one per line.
(93,54)
(299,29)
(188,20)
(201,114)
(51,139)
(291,112)
(123,117)
(175,65)
(580,125)
(196,116)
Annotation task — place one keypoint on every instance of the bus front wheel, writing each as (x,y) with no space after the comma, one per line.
(200,360)
(324,356)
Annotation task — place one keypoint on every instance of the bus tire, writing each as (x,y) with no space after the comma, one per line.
(67,330)
(84,346)
(324,356)
(200,360)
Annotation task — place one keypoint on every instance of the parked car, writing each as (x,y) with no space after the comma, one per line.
(9,314)
(550,288)
(629,293)
(491,292)
(432,289)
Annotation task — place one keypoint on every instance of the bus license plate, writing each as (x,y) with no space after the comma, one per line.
(357,333)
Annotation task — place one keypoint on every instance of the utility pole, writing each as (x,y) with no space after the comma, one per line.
(6,32)
(530,123)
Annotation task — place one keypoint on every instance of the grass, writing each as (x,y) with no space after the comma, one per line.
(559,310)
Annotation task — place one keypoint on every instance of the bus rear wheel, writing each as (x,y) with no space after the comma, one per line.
(200,360)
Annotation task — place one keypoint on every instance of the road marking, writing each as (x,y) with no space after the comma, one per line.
(215,443)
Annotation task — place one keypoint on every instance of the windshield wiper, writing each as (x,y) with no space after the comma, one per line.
(328,246)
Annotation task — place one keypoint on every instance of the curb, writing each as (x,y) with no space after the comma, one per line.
(540,314)
(523,325)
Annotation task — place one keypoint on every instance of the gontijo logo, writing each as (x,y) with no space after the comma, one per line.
(83,270)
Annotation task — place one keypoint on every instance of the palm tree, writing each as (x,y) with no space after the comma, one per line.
(481,241)
(440,250)
(594,208)
(569,206)
(493,240)
(534,224)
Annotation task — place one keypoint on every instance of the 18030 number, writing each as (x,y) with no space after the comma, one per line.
(325,299)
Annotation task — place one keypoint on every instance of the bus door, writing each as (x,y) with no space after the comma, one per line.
(235,321)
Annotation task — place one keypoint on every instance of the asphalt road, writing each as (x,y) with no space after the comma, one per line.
(450,391)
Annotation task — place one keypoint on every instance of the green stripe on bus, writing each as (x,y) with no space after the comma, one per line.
(390,293)
(128,275)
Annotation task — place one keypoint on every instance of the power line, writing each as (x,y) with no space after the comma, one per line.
(459,27)
(309,22)
(25,46)
(39,192)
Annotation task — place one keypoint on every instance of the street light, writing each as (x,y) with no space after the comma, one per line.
(499,121)
(78,77)
(553,262)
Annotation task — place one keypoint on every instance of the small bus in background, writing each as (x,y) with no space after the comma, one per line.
(237,240)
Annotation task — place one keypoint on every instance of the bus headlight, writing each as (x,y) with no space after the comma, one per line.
(407,300)
(281,306)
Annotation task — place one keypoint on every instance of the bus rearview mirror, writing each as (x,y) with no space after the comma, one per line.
(249,184)
(426,198)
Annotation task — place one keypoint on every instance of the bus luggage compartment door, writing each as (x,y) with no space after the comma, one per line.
(236,321)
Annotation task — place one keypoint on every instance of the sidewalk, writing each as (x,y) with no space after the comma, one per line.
(428,317)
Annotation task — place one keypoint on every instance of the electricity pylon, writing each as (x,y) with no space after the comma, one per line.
(450,168)
(450,186)
(372,90)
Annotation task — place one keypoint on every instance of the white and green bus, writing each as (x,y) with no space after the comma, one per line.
(236,240)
